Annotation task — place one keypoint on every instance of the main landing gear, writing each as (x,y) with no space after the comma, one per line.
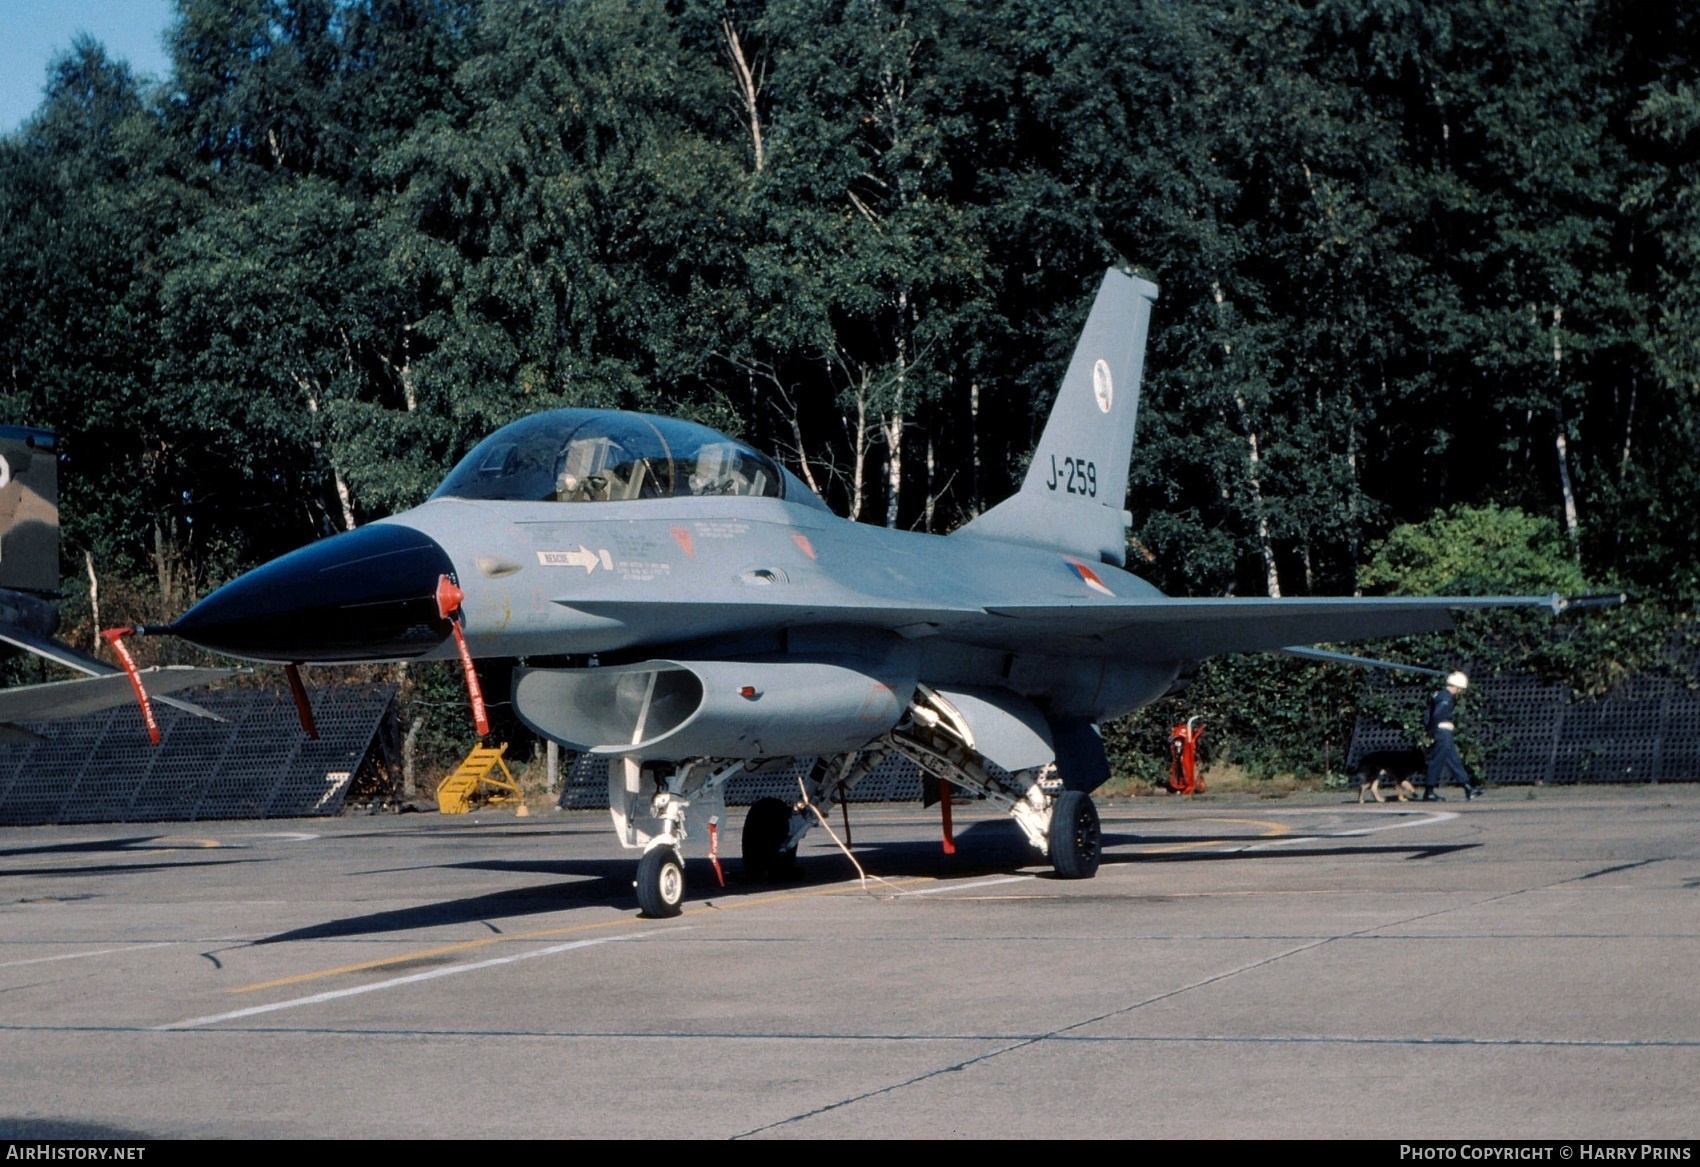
(1074,836)
(770,853)
(1061,824)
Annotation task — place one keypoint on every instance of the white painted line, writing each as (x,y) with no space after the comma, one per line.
(80,955)
(933,891)
(396,982)
(1407,818)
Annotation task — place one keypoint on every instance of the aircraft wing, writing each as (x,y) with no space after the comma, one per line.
(1163,628)
(1156,628)
(58,700)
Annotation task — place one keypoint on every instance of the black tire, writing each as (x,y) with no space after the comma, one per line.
(767,828)
(1074,836)
(661,883)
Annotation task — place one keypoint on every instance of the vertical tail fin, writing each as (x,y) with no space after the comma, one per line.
(29,510)
(1076,488)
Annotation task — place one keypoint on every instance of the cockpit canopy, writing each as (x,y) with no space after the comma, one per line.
(593,455)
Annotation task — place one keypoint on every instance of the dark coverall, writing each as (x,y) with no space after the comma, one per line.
(1443,760)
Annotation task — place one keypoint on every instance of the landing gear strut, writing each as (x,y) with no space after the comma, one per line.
(657,808)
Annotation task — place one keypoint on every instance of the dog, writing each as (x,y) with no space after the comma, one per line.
(1403,764)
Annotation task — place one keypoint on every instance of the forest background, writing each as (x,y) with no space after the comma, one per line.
(1429,317)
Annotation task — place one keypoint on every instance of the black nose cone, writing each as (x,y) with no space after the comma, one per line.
(366,595)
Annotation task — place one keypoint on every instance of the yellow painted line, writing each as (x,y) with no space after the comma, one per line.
(1270,831)
(544,934)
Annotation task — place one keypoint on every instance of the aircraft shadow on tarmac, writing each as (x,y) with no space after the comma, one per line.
(119,868)
(596,882)
(66,1128)
(985,848)
(134,842)
(134,845)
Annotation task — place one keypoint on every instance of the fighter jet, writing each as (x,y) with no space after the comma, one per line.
(29,578)
(679,602)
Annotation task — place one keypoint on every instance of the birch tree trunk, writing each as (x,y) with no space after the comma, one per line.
(859,450)
(894,419)
(1254,477)
(974,447)
(748,85)
(1572,521)
(94,598)
(1254,468)
(344,497)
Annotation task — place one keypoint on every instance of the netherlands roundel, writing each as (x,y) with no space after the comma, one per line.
(1088,577)
(1102,388)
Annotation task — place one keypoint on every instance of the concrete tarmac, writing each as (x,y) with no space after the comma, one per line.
(1521,967)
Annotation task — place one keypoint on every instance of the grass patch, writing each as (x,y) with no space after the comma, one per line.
(1226,780)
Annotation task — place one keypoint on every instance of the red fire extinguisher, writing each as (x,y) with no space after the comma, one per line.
(1183,757)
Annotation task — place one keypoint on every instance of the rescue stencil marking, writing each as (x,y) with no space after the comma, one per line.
(584,557)
(803,544)
(682,536)
(1102,387)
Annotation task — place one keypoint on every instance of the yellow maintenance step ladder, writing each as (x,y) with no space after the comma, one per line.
(474,782)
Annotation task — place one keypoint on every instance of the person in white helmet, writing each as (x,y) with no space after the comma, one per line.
(1443,760)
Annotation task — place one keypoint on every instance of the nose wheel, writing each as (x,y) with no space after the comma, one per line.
(661,883)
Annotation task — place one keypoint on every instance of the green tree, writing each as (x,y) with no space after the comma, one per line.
(86,201)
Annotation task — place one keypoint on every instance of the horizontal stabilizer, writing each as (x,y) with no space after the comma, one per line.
(58,700)
(56,651)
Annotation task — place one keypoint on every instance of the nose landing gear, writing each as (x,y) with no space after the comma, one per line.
(660,882)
